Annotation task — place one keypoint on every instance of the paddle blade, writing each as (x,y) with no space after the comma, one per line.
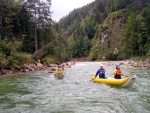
(50,72)
(91,81)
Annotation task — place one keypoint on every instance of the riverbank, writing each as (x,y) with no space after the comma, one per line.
(39,66)
(130,64)
(124,63)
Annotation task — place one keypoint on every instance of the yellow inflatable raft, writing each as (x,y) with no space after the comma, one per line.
(59,73)
(128,81)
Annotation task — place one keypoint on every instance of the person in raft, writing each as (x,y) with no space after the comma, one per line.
(117,72)
(59,68)
(67,64)
(101,72)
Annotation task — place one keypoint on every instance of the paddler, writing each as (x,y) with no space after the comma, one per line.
(101,72)
(117,72)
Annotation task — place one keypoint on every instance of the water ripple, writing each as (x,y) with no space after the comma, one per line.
(40,92)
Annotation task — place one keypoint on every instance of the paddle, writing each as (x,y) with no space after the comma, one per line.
(92,79)
(64,73)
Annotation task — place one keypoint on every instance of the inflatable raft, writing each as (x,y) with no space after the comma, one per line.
(59,73)
(52,70)
(127,81)
(69,66)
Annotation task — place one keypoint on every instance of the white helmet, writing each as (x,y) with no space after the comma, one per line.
(101,65)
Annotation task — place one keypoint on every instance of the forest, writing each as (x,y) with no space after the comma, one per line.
(101,30)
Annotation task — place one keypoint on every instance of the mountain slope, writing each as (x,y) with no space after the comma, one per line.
(100,29)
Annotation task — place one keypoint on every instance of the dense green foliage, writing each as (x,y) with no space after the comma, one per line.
(113,29)
(25,27)
(101,30)
(136,34)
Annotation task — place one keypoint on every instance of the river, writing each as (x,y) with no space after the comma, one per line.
(40,92)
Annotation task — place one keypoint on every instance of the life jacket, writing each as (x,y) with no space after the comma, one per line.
(101,70)
(58,69)
(118,72)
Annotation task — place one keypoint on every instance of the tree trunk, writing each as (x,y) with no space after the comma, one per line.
(0,37)
(0,25)
(35,34)
(36,44)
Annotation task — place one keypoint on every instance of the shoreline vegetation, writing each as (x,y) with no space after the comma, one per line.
(39,66)
(89,33)
(28,67)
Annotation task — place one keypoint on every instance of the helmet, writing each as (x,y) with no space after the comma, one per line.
(101,65)
(117,65)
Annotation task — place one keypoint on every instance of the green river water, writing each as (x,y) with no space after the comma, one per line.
(40,92)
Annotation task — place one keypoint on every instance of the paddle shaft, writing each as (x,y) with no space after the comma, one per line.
(92,79)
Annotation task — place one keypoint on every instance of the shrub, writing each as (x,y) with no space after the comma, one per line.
(48,60)
(137,58)
(92,56)
(17,60)
(2,60)
(111,56)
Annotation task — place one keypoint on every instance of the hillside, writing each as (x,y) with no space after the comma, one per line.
(104,29)
(101,30)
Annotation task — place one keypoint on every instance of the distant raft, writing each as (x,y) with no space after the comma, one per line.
(59,73)
(52,70)
(67,66)
(128,81)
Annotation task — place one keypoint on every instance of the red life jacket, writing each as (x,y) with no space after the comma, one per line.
(101,70)
(118,72)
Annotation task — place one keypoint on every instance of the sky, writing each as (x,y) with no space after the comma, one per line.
(61,8)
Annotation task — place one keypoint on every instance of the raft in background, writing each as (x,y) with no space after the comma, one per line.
(52,70)
(59,73)
(128,81)
(69,66)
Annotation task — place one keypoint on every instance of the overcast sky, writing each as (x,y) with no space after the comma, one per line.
(62,8)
